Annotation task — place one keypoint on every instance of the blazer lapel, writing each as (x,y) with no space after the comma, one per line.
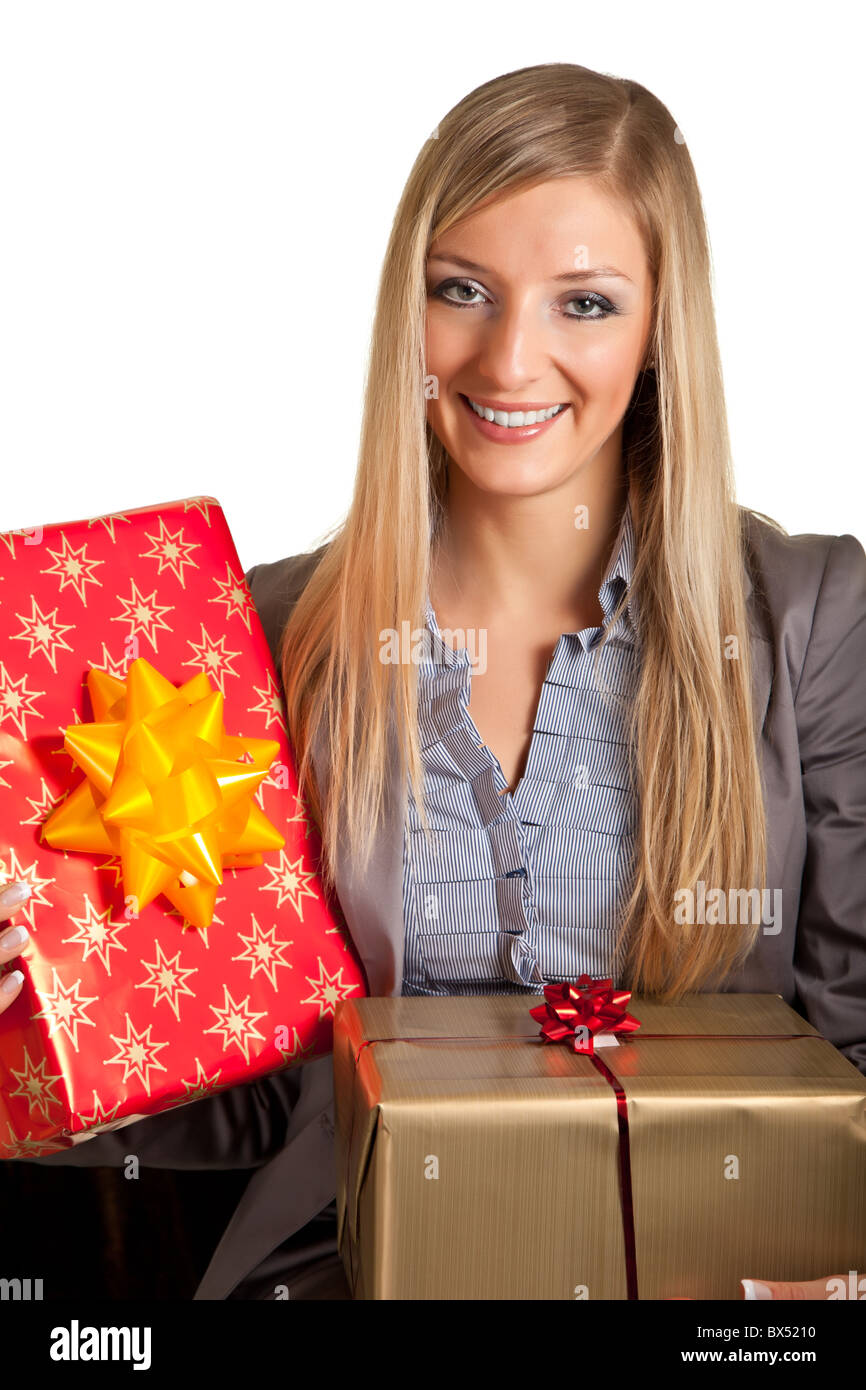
(761,650)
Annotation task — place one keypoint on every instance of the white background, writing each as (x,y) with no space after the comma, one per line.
(196,200)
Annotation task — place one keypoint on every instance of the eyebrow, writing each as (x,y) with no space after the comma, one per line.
(605,271)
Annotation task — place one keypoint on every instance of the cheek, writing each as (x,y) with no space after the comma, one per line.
(449,345)
(606,373)
(436,388)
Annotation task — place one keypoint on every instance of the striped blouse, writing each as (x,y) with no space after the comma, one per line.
(523,888)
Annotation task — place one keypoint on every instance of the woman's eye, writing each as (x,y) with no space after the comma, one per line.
(456,285)
(595,301)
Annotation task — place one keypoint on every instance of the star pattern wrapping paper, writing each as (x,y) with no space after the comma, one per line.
(123,1015)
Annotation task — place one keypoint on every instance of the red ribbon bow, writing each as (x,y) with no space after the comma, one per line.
(574,1013)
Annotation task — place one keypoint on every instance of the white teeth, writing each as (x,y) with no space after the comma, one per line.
(514,418)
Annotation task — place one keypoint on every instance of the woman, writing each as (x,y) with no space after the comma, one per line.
(667,690)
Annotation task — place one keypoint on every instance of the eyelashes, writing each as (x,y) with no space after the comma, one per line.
(605,306)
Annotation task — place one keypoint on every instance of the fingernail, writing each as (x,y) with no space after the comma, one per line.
(753,1288)
(12,981)
(16,892)
(16,937)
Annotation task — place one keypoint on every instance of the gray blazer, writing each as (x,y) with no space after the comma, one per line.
(806,599)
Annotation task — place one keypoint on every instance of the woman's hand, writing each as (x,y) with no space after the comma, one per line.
(810,1289)
(12,895)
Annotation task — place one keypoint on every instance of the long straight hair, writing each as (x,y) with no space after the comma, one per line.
(693,741)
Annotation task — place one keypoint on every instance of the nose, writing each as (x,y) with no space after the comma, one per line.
(514,347)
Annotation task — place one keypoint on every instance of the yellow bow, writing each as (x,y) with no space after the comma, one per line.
(164,789)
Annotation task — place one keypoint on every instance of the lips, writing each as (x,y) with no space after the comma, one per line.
(513,434)
(511,407)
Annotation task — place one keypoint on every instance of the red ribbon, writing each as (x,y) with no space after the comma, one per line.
(574,1013)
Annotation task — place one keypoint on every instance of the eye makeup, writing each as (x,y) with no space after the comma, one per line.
(605,306)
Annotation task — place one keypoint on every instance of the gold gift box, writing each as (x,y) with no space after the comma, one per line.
(477,1161)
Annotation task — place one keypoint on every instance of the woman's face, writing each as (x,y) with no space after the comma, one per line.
(541,299)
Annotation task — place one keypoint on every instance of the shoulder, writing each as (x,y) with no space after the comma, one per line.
(797,564)
(808,594)
(276,586)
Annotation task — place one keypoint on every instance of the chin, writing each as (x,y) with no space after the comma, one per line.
(510,478)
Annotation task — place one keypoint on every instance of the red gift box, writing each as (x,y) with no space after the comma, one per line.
(125,1013)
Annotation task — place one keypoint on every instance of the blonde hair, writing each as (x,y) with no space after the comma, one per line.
(700,807)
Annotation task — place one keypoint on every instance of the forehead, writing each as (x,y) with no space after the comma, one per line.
(541,231)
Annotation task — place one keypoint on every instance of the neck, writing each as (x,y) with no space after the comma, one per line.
(523,557)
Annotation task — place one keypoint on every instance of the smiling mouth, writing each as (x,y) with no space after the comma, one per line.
(513,418)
